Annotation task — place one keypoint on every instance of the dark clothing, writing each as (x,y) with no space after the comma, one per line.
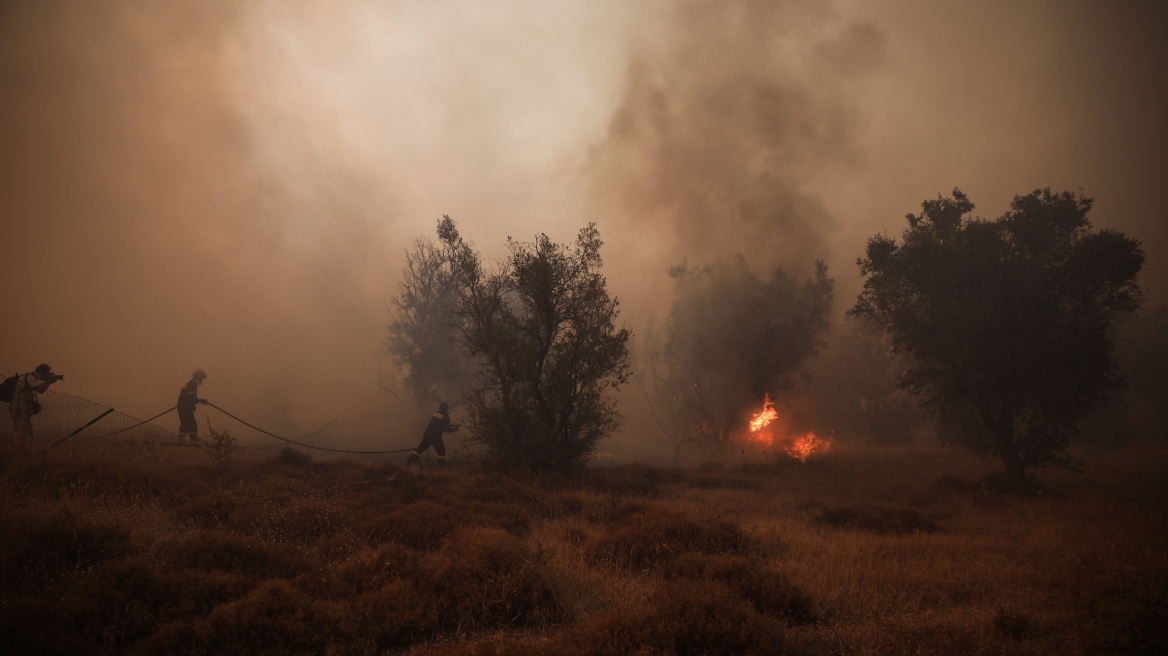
(186,419)
(188,396)
(432,437)
(436,442)
(439,424)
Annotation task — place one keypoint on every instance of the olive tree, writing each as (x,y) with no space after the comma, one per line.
(540,330)
(1010,319)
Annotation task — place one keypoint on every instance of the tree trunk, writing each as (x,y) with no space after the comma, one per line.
(1015,468)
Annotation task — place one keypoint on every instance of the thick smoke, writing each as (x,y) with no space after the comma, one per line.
(232,186)
(728,110)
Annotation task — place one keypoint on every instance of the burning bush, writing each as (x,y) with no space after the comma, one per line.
(730,338)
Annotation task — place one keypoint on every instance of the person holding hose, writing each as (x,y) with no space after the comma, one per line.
(188,397)
(439,424)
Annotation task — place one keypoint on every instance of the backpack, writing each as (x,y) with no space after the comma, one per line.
(8,388)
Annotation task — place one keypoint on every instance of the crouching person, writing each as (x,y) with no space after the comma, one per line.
(439,424)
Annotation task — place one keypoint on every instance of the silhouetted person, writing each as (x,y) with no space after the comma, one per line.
(24,402)
(439,424)
(188,397)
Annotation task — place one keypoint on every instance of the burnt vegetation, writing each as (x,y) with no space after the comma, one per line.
(126,548)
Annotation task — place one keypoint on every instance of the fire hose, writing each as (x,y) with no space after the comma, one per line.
(307,446)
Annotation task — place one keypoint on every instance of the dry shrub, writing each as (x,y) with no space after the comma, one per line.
(769,590)
(633,479)
(722,481)
(210,509)
(685,617)
(36,547)
(220,550)
(617,511)
(422,525)
(367,571)
(878,519)
(425,524)
(1010,625)
(275,618)
(119,478)
(306,520)
(482,579)
(657,537)
(293,457)
(487,578)
(492,646)
(340,547)
(115,604)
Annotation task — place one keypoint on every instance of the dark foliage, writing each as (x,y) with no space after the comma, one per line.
(1011,318)
(423,345)
(731,338)
(542,332)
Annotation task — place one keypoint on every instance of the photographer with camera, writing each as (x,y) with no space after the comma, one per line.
(24,402)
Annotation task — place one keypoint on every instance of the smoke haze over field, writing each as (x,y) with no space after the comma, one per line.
(231,186)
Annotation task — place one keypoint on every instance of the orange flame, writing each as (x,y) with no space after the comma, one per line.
(765,417)
(799,447)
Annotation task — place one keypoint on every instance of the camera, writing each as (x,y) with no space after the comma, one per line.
(60,376)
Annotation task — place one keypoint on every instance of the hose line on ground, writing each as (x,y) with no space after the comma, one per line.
(307,446)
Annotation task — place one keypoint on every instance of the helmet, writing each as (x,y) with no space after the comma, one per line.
(199,373)
(443,407)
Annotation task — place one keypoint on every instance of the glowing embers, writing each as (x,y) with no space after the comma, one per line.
(767,430)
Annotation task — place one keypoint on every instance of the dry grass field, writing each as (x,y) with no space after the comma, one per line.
(147,549)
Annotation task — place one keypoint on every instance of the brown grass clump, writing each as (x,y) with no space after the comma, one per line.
(223,551)
(120,547)
(770,591)
(275,618)
(482,579)
(36,547)
(653,538)
(878,519)
(686,617)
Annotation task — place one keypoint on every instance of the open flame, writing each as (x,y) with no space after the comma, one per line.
(765,431)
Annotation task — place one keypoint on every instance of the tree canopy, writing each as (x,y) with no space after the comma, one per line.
(541,331)
(731,339)
(1011,317)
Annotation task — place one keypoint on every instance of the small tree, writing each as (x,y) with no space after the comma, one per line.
(1010,317)
(731,339)
(541,330)
(426,357)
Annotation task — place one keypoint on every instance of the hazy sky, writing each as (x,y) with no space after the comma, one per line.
(231,185)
